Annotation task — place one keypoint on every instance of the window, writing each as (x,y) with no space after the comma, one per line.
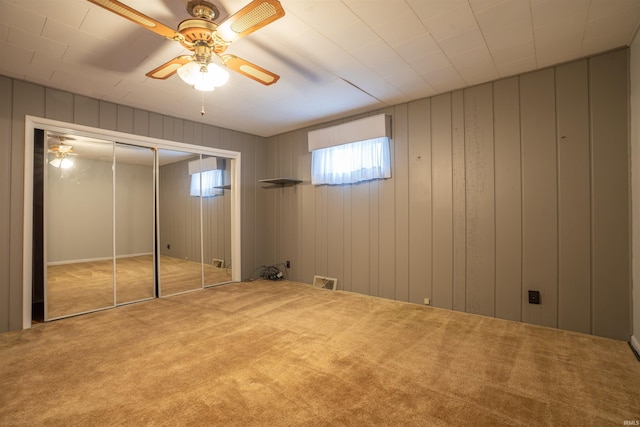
(351,163)
(211,181)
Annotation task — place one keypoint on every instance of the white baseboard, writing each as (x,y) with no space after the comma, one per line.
(635,343)
(78,261)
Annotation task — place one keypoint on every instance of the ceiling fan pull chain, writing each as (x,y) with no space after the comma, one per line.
(202,108)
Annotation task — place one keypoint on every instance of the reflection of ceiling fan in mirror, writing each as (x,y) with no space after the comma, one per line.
(60,152)
(207,40)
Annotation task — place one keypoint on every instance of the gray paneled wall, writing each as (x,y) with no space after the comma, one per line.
(516,185)
(19,98)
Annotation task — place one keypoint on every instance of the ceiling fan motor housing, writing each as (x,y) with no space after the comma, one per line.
(200,32)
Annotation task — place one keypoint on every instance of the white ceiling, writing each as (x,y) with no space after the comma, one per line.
(335,57)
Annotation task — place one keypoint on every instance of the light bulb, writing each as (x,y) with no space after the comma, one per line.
(64,163)
(203,77)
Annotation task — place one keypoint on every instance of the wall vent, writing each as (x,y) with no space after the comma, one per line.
(322,282)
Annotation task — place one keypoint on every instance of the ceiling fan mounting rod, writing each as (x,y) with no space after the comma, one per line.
(202,9)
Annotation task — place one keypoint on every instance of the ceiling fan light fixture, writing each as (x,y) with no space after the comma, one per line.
(203,77)
(63,163)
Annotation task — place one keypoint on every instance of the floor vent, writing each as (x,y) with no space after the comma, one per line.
(322,282)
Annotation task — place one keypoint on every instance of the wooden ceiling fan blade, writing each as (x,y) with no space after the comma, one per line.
(250,70)
(250,18)
(139,18)
(168,69)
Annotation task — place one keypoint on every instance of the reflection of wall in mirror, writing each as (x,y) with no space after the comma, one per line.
(180,216)
(134,210)
(79,211)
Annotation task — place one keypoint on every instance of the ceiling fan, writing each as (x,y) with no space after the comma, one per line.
(207,40)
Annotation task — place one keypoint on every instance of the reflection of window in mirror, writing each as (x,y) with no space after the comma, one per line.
(210,182)
(207,177)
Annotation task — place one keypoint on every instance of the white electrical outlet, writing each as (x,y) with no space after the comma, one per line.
(427,301)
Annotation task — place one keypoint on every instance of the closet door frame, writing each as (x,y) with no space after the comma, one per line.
(33,122)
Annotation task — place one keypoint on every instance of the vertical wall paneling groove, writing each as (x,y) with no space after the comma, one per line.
(198,130)
(401,181)
(141,122)
(539,196)
(348,238)
(308,253)
(294,203)
(305,191)
(335,233)
(211,136)
(271,219)
(609,89)
(320,236)
(108,115)
(287,199)
(280,204)
(58,105)
(480,225)
(360,237)
(300,171)
(508,198)
(6,98)
(28,99)
(374,241)
(187,137)
(238,146)
(442,204)
(249,181)
(155,125)
(459,290)
(178,130)
(86,111)
(224,139)
(125,119)
(386,218)
(574,201)
(420,200)
(167,128)
(262,207)
(319,232)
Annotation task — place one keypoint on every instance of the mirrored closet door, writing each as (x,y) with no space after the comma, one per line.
(216,220)
(78,215)
(135,224)
(179,229)
(126,223)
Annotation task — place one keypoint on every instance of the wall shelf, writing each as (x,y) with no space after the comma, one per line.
(281,181)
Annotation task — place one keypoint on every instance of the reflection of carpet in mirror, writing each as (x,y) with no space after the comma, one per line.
(180,275)
(80,287)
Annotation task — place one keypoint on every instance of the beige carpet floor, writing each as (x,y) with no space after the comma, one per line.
(286,354)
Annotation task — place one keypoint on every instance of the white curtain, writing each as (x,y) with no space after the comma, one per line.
(351,163)
(210,180)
